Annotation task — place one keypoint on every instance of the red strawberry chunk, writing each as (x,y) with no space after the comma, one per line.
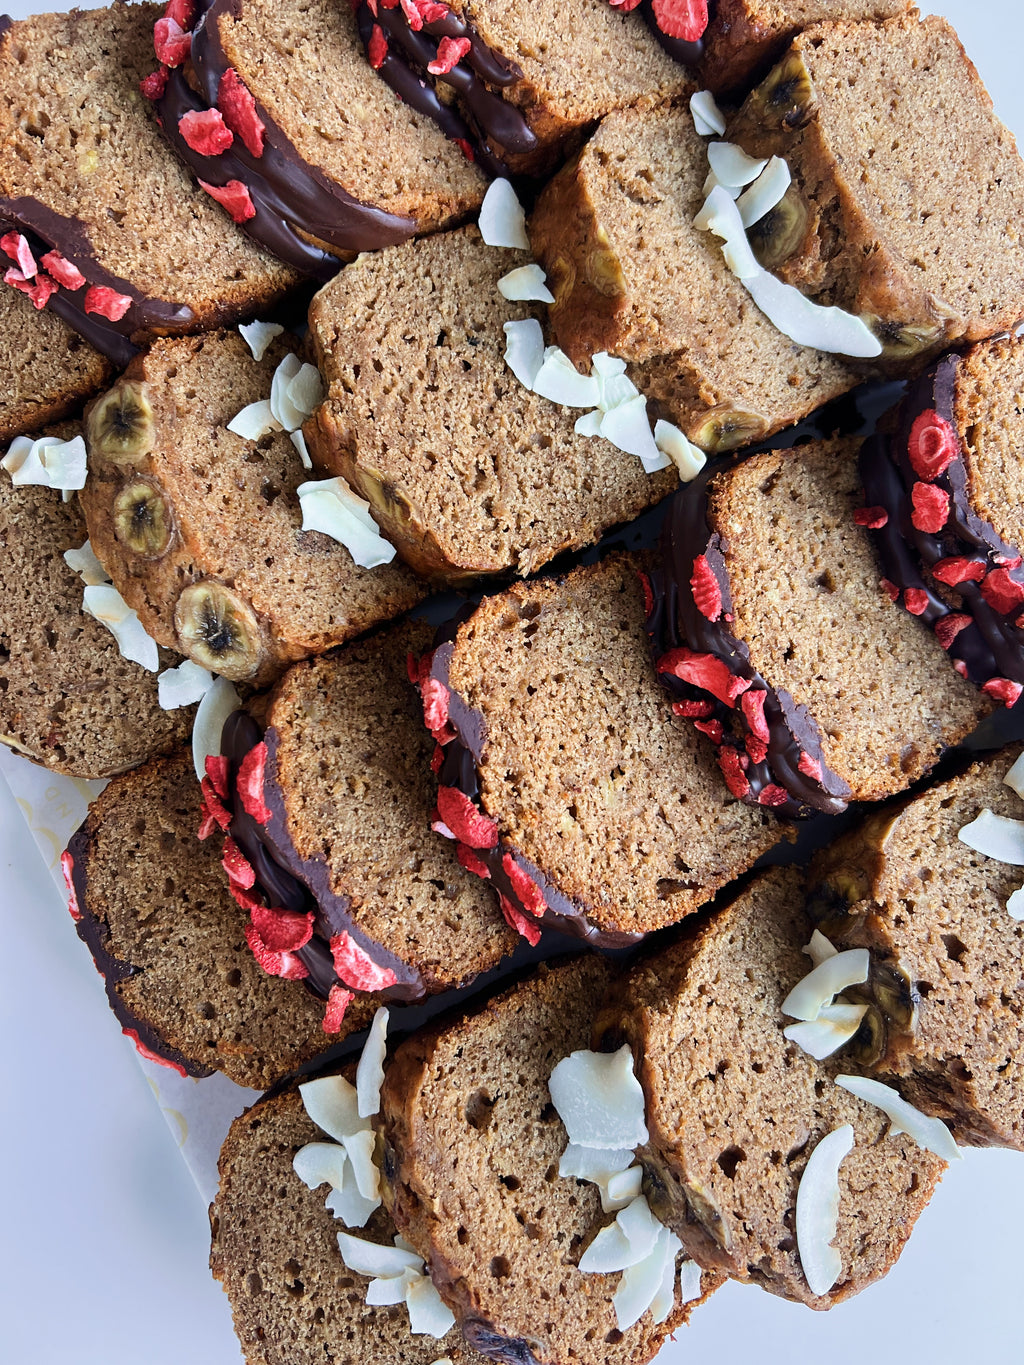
(213,806)
(645,584)
(467,823)
(63,271)
(413,18)
(693,710)
(170,42)
(430,12)
(872,517)
(183,12)
(773,795)
(150,1055)
(154,85)
(471,862)
(207,824)
(714,729)
(960,667)
(238,867)
(890,589)
(626,6)
(437,759)
(949,627)
(810,767)
(915,600)
(1002,592)
(275,964)
(245,899)
(959,569)
(686,19)
(707,595)
(931,507)
(933,445)
(15,245)
(67,864)
(338,1002)
(752,706)
(435,706)
(756,748)
(704,671)
(235,197)
(731,763)
(217,769)
(282,930)
(205,131)
(252,772)
(466,147)
(236,103)
(107,302)
(529,893)
(39,292)
(516,920)
(450,51)
(1008,561)
(1002,689)
(356,967)
(377,47)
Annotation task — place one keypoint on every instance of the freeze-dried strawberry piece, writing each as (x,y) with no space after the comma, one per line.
(430,11)
(731,763)
(1002,689)
(450,51)
(645,583)
(420,12)
(252,772)
(107,302)
(154,85)
(1002,592)
(468,824)
(150,1055)
(39,293)
(356,967)
(916,601)
(245,899)
(238,867)
(773,795)
(183,12)
(686,19)
(626,6)
(707,595)
(693,710)
(931,507)
(933,445)
(236,103)
(516,920)
(15,245)
(338,1002)
(529,893)
(217,770)
(871,517)
(466,147)
(418,669)
(714,729)
(704,671)
(810,767)
(437,759)
(435,705)
(170,42)
(207,824)
(949,627)
(377,47)
(960,667)
(205,131)
(471,862)
(62,270)
(890,589)
(67,864)
(1008,561)
(283,931)
(439,827)
(756,748)
(959,569)
(275,964)
(213,806)
(752,706)
(235,197)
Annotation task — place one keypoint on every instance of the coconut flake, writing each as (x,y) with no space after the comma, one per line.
(105,603)
(83,562)
(524,350)
(527,283)
(330,506)
(208,725)
(333,1105)
(627,1241)
(641,1285)
(1015,777)
(281,405)
(348,1205)
(1015,904)
(628,428)
(376,1260)
(387,1293)
(255,420)
(730,164)
(559,380)
(599,1099)
(370,1071)
(712,182)
(589,424)
(299,442)
(708,119)
(429,1315)
(611,1170)
(689,1281)
(259,335)
(181,686)
(817,1210)
(819,949)
(767,190)
(834,1026)
(931,1134)
(320,1163)
(47,462)
(687,458)
(821,985)
(995,836)
(620,1189)
(502,220)
(360,1149)
(614,385)
(305,393)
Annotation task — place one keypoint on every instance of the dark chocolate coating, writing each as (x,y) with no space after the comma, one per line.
(687,54)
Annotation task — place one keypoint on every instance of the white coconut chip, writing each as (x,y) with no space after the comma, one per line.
(321,1163)
(599,1099)
(817,1210)
(620,1189)
(378,1261)
(834,1026)
(931,1134)
(47,462)
(712,182)
(305,393)
(614,385)
(370,1071)
(360,1148)
(181,686)
(105,603)
(821,985)
(332,1104)
(708,119)
(214,710)
(526,283)
(429,1315)
(628,428)
(331,507)
(595,1164)
(559,380)
(259,335)
(281,405)
(1015,777)
(688,459)
(730,164)
(1015,904)
(386,1293)
(767,190)
(83,562)
(349,1206)
(641,1285)
(255,420)
(589,424)
(819,949)
(627,1241)
(524,349)
(995,836)
(299,442)
(502,221)
(689,1281)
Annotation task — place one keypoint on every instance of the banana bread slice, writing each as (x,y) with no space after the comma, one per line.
(201,529)
(632,276)
(735,1110)
(948,1021)
(153,908)
(563,775)
(134,248)
(913,188)
(466,471)
(471,1152)
(772,621)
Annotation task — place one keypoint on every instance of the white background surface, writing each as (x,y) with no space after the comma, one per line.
(104,1240)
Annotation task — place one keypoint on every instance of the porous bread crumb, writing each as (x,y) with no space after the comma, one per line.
(48,370)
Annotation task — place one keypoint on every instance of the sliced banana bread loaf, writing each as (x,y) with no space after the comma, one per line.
(201,529)
(913,188)
(563,775)
(772,625)
(632,275)
(949,1021)
(466,470)
(120,242)
(153,908)
(472,1148)
(735,1110)
(278,113)
(332,800)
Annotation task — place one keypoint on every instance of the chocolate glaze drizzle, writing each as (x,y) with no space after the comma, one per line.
(460,769)
(676,621)
(992,646)
(299,884)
